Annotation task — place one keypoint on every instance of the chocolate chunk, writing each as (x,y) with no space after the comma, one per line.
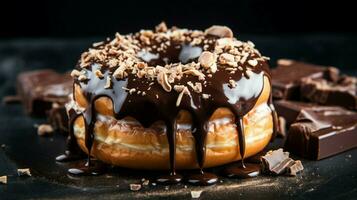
(278,162)
(343,92)
(295,168)
(322,131)
(39,89)
(288,74)
(273,158)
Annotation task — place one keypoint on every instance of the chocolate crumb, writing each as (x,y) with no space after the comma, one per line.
(196,194)
(135,187)
(3,179)
(24,172)
(44,129)
(295,168)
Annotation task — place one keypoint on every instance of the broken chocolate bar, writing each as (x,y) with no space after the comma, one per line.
(288,74)
(39,89)
(322,131)
(277,162)
(342,92)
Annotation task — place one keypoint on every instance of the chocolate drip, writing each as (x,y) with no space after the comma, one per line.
(73,151)
(241,139)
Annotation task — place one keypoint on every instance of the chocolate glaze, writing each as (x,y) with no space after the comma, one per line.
(249,170)
(158,104)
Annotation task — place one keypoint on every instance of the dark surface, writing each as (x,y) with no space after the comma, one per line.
(330,178)
(68,18)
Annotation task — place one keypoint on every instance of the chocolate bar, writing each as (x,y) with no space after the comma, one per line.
(288,74)
(322,131)
(342,92)
(58,118)
(39,89)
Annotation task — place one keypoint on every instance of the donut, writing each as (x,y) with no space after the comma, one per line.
(172,98)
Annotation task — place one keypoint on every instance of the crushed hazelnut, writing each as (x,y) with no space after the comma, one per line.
(99,74)
(75,73)
(227,59)
(253,63)
(180,96)
(232,83)
(206,59)
(219,31)
(161,27)
(82,77)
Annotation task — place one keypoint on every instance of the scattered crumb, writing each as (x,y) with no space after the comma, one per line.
(135,187)
(44,129)
(196,194)
(153,184)
(3,146)
(24,172)
(145,182)
(167,187)
(3,179)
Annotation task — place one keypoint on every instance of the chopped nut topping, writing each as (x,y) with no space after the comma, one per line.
(3,179)
(44,129)
(219,31)
(24,172)
(122,56)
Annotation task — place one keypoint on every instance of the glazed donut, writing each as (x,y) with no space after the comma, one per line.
(172,99)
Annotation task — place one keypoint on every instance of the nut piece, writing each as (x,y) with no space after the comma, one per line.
(206,59)
(179,98)
(162,80)
(82,77)
(161,27)
(253,63)
(75,73)
(24,172)
(44,129)
(99,74)
(3,179)
(135,187)
(232,83)
(219,31)
(227,59)
(108,83)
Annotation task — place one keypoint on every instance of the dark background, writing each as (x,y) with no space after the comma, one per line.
(78,18)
